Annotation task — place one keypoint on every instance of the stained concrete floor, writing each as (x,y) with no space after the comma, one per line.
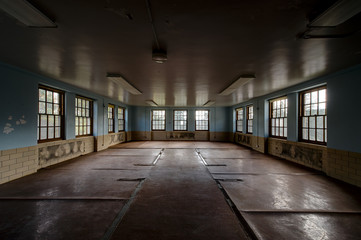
(179,190)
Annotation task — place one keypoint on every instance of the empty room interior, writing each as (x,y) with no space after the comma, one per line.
(155,119)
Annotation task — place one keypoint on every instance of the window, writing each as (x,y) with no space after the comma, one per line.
(250,119)
(202,120)
(239,119)
(121,120)
(180,120)
(313,114)
(50,117)
(83,116)
(278,117)
(110,118)
(158,120)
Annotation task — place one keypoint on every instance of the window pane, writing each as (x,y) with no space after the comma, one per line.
(322,109)
(313,109)
(307,110)
(50,120)
(314,97)
(57,121)
(43,134)
(322,95)
(312,134)
(49,108)
(305,122)
(56,97)
(320,122)
(49,96)
(42,95)
(56,109)
(43,120)
(50,132)
(307,98)
(41,107)
(320,135)
(312,122)
(305,134)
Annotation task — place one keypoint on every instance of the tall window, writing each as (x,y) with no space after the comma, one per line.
(158,120)
(121,119)
(83,116)
(313,114)
(50,117)
(110,118)
(180,120)
(278,117)
(202,120)
(239,119)
(250,119)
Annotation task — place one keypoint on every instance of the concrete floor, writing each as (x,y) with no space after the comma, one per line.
(179,190)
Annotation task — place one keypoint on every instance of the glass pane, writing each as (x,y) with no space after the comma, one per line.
(282,112)
(273,122)
(322,95)
(83,103)
(43,133)
(278,112)
(325,135)
(56,97)
(312,134)
(57,132)
(41,107)
(76,131)
(56,109)
(79,112)
(88,130)
(281,132)
(307,97)
(312,122)
(307,110)
(49,108)
(285,132)
(87,113)
(325,121)
(285,122)
(57,121)
(274,104)
(50,120)
(322,109)
(305,134)
(305,122)
(50,132)
(314,97)
(319,122)
(42,95)
(273,131)
(277,122)
(320,135)
(49,96)
(44,120)
(281,122)
(88,104)
(313,109)
(88,121)
(83,112)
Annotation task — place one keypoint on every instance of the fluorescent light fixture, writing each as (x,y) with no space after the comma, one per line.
(209,103)
(118,79)
(26,13)
(242,80)
(338,13)
(159,56)
(151,103)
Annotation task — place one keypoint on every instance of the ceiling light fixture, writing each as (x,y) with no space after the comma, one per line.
(159,56)
(209,103)
(26,13)
(338,13)
(151,103)
(118,79)
(242,80)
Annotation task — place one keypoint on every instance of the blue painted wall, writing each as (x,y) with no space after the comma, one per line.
(343,116)
(219,118)
(19,107)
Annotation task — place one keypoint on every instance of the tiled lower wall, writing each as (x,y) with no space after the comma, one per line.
(16,163)
(342,165)
(104,141)
(254,142)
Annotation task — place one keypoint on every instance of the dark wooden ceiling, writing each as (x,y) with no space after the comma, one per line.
(209,44)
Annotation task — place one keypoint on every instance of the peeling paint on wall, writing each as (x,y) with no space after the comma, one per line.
(59,151)
(180,135)
(8,126)
(310,157)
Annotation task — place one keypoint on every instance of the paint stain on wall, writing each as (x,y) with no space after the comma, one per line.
(8,126)
(59,151)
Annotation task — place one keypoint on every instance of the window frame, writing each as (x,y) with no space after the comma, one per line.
(165,119)
(195,125)
(61,114)
(239,120)
(180,120)
(301,115)
(270,118)
(111,119)
(91,111)
(121,119)
(249,119)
